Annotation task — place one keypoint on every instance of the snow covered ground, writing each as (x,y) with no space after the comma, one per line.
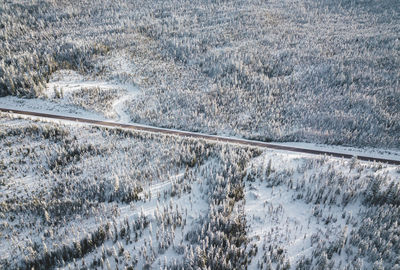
(365,151)
(47,106)
(101,197)
(71,94)
(78,197)
(288,226)
(98,196)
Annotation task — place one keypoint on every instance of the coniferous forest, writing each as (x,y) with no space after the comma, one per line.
(96,198)
(314,71)
(324,73)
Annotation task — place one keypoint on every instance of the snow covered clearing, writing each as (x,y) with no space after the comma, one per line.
(363,151)
(107,97)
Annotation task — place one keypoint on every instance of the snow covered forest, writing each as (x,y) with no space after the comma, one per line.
(292,70)
(81,196)
(76,197)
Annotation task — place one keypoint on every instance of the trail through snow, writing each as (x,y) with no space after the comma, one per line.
(120,105)
(71,81)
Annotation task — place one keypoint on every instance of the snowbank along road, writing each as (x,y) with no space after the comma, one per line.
(204,136)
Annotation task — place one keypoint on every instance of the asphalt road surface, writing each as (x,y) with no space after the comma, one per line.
(203,136)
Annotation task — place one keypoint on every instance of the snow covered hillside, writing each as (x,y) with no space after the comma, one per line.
(77,197)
